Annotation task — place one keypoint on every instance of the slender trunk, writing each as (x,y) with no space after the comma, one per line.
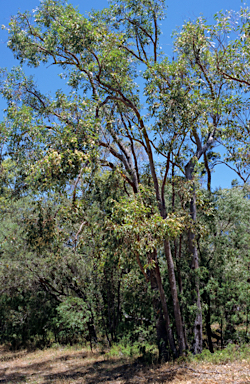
(247,322)
(161,331)
(156,283)
(162,338)
(110,305)
(198,324)
(178,260)
(221,328)
(92,332)
(173,186)
(165,310)
(106,330)
(208,326)
(208,173)
(197,347)
(118,315)
(174,292)
(171,274)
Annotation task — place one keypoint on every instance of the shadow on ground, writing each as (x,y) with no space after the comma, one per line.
(21,372)
(107,371)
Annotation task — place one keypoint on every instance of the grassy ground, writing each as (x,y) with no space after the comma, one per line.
(75,366)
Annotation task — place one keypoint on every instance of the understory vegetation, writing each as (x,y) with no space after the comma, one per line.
(110,233)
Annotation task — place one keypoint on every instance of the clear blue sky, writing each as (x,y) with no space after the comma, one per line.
(178,11)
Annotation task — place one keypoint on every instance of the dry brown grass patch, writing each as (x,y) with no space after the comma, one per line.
(72,366)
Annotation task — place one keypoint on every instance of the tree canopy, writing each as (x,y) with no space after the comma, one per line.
(106,216)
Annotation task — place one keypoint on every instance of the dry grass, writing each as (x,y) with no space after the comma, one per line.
(69,366)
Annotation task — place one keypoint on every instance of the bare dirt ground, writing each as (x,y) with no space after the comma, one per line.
(65,366)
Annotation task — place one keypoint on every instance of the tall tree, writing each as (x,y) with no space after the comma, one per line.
(106,122)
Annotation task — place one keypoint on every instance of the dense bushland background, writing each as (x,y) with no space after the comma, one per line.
(110,232)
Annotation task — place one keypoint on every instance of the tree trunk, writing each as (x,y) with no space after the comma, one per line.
(174,292)
(165,309)
(197,346)
(156,283)
(162,336)
(208,326)
(92,332)
(178,258)
(221,327)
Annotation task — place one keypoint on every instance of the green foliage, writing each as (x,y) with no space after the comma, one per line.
(144,353)
(138,223)
(105,237)
(26,318)
(231,353)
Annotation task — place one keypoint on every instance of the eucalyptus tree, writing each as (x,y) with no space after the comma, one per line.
(104,121)
(99,58)
(199,106)
(211,54)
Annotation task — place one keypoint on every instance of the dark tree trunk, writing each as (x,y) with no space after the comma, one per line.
(221,328)
(92,333)
(161,331)
(154,277)
(118,314)
(208,325)
(162,339)
(178,261)
(106,330)
(165,310)
(176,304)
(197,346)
